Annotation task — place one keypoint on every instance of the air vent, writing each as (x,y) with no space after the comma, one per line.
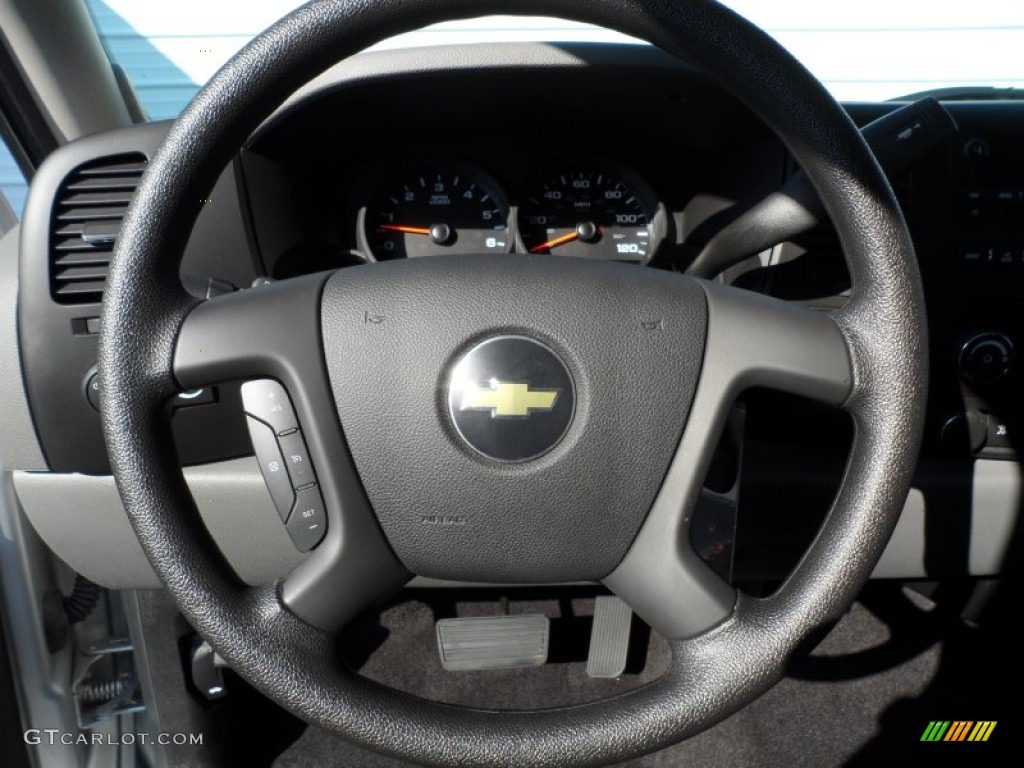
(87,216)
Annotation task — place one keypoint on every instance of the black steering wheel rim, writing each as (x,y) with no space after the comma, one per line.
(712,674)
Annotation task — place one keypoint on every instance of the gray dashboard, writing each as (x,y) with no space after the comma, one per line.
(296,199)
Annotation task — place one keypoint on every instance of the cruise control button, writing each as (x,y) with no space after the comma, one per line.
(266,400)
(296,457)
(308,521)
(272,465)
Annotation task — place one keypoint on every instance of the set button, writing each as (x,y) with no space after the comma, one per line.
(308,520)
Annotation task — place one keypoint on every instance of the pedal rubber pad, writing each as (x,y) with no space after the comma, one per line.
(609,639)
(493,642)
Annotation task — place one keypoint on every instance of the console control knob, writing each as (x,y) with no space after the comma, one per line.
(986,358)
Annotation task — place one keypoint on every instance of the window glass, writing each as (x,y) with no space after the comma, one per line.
(12,190)
(868,50)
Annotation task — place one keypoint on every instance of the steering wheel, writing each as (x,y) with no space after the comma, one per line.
(599,488)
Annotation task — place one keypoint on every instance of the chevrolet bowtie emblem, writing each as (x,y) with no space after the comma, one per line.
(511,398)
(504,398)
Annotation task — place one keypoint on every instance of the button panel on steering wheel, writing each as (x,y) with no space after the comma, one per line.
(284,461)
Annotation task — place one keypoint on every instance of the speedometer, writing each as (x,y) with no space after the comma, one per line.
(435,208)
(591,213)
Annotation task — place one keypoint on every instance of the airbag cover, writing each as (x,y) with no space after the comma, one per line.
(632,341)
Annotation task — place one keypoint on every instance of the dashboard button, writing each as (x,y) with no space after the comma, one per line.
(275,472)
(308,521)
(266,400)
(975,257)
(1007,196)
(296,457)
(92,389)
(977,149)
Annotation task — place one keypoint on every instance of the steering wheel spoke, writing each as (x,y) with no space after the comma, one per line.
(758,341)
(753,340)
(274,331)
(268,331)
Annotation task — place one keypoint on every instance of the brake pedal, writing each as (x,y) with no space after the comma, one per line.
(493,642)
(609,638)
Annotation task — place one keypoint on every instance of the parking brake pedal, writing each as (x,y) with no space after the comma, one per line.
(492,642)
(609,638)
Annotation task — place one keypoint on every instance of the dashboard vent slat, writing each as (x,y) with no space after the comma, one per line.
(72,292)
(104,183)
(72,246)
(84,199)
(87,213)
(75,259)
(78,274)
(114,167)
(86,218)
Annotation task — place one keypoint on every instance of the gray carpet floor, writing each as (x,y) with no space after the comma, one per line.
(862,697)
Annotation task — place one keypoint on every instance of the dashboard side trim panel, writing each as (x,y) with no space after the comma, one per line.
(95,538)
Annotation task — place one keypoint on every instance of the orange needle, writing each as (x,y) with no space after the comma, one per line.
(566,238)
(407,230)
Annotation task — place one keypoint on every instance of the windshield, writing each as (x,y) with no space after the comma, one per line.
(871,50)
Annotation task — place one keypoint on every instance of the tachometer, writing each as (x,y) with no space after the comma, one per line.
(591,213)
(439,207)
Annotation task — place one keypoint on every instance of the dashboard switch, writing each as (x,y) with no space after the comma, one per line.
(296,457)
(986,358)
(266,400)
(272,465)
(308,521)
(201,396)
(965,432)
(92,389)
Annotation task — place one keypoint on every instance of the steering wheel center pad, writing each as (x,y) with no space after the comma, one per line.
(633,341)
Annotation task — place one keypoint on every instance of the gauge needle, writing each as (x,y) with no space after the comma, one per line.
(566,238)
(406,230)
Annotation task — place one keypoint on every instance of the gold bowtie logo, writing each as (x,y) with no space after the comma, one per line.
(504,398)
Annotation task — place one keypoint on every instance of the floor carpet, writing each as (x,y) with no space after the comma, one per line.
(863,697)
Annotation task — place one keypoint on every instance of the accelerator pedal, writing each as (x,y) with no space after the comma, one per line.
(493,642)
(609,639)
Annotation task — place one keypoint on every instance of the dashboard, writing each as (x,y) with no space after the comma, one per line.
(581,208)
(500,164)
(519,149)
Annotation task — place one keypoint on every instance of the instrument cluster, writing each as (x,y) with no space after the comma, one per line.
(585,209)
